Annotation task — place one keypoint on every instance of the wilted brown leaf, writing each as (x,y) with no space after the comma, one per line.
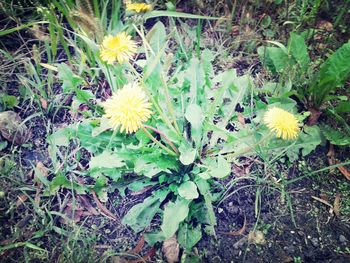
(331,156)
(344,171)
(238,232)
(314,116)
(103,209)
(21,199)
(256,237)
(42,169)
(139,246)
(117,259)
(43,103)
(142,191)
(73,212)
(171,250)
(85,202)
(325,25)
(336,205)
(12,128)
(322,201)
(241,119)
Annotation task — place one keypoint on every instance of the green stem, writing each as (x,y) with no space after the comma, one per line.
(169,104)
(155,103)
(165,138)
(158,142)
(249,148)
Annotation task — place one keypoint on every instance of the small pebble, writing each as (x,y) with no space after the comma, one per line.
(314,242)
(342,239)
(289,249)
(292,232)
(220,210)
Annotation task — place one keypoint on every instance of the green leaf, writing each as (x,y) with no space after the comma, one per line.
(306,142)
(60,137)
(152,238)
(3,145)
(334,136)
(195,75)
(188,190)
(84,96)
(275,58)
(141,215)
(309,139)
(14,29)
(343,107)
(298,49)
(333,73)
(189,236)
(174,214)
(148,169)
(70,80)
(156,37)
(106,160)
(221,168)
(61,180)
(9,101)
(187,154)
(158,13)
(204,189)
(194,115)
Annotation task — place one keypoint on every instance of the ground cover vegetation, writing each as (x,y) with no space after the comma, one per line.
(174,131)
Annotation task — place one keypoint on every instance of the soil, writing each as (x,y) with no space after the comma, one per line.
(303,231)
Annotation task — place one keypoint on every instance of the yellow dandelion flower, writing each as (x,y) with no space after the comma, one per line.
(120,47)
(128,108)
(138,8)
(282,122)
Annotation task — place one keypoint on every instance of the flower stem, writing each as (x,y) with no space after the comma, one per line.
(164,137)
(168,101)
(155,104)
(158,142)
(249,148)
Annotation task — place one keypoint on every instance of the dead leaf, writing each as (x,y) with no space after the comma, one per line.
(235,30)
(12,128)
(73,212)
(142,191)
(314,116)
(238,232)
(37,194)
(21,199)
(103,209)
(117,259)
(324,197)
(43,103)
(325,25)
(287,259)
(336,205)
(42,169)
(171,250)
(241,119)
(331,156)
(139,246)
(344,171)
(87,205)
(256,237)
(322,201)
